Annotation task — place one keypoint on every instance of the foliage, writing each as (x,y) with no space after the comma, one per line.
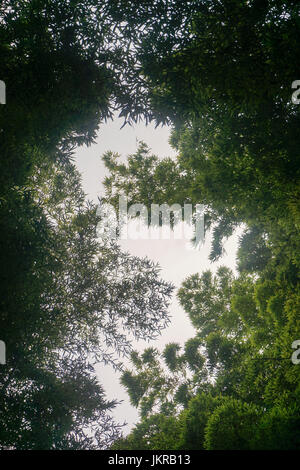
(68,301)
(224,82)
(244,385)
(158,432)
(220,72)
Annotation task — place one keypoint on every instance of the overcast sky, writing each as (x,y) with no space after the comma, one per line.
(177,261)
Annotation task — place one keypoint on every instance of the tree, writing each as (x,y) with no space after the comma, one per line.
(224,82)
(162,383)
(235,385)
(234,129)
(231,426)
(279,428)
(158,432)
(67,67)
(220,57)
(200,408)
(76,301)
(66,300)
(234,120)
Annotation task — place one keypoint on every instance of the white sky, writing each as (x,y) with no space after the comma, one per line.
(176,261)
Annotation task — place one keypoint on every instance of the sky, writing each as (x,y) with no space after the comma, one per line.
(176,259)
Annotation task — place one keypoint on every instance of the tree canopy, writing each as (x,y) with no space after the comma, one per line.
(220,73)
(68,301)
(225,85)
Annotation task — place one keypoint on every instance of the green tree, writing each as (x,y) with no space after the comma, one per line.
(158,432)
(235,125)
(200,408)
(279,428)
(231,426)
(67,67)
(76,301)
(223,79)
(235,383)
